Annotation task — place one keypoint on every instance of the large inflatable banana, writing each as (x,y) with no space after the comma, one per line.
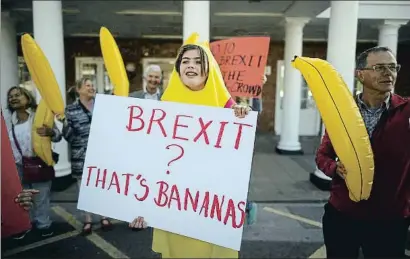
(42,145)
(343,122)
(114,63)
(42,75)
(215,94)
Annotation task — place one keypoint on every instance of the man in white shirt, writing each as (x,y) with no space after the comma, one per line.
(151,84)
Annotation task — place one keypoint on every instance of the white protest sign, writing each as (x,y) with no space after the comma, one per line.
(184,168)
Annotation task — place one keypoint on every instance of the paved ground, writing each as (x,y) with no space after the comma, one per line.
(288,225)
(282,230)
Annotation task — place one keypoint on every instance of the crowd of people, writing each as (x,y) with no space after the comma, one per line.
(76,128)
(377,226)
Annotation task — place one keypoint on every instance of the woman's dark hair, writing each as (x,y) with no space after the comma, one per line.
(31,101)
(72,93)
(202,55)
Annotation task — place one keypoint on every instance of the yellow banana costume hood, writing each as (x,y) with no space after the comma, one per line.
(214,94)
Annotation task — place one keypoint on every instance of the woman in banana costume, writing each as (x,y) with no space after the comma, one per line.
(196,79)
(29,123)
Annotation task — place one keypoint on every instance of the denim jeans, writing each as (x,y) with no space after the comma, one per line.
(40,212)
(257,104)
(251,207)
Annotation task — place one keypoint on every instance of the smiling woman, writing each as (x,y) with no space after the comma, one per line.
(192,67)
(76,130)
(22,106)
(196,80)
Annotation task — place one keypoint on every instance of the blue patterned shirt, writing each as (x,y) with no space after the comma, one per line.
(371,116)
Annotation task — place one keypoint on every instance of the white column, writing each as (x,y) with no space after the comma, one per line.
(9,60)
(196,19)
(289,137)
(389,34)
(48,33)
(342,38)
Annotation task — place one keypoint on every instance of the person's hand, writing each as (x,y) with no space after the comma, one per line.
(264,79)
(60,118)
(241,110)
(138,223)
(340,169)
(25,198)
(45,131)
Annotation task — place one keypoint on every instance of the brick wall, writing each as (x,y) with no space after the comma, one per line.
(133,50)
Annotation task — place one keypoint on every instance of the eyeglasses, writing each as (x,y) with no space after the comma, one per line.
(380,68)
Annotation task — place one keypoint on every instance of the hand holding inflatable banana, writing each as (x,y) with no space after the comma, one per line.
(42,75)
(343,122)
(42,145)
(114,63)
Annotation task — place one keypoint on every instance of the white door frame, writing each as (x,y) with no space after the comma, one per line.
(280,75)
(99,61)
(147,61)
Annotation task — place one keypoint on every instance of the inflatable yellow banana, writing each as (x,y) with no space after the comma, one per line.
(114,63)
(42,75)
(343,122)
(42,145)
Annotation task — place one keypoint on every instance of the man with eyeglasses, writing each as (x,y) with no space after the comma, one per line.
(378,225)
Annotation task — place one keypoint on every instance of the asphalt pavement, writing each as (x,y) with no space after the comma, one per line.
(288,223)
(281,231)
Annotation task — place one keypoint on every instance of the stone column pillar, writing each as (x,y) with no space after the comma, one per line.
(342,38)
(196,18)
(48,33)
(389,34)
(289,137)
(9,60)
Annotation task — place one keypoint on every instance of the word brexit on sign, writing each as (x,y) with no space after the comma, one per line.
(184,168)
(242,62)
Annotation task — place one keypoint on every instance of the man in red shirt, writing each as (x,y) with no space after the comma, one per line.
(377,225)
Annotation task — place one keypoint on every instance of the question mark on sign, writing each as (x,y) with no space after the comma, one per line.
(178,157)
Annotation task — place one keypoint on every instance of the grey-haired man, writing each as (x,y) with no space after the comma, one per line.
(151,84)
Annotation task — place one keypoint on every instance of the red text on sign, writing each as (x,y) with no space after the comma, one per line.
(204,204)
(213,206)
(180,127)
(101,181)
